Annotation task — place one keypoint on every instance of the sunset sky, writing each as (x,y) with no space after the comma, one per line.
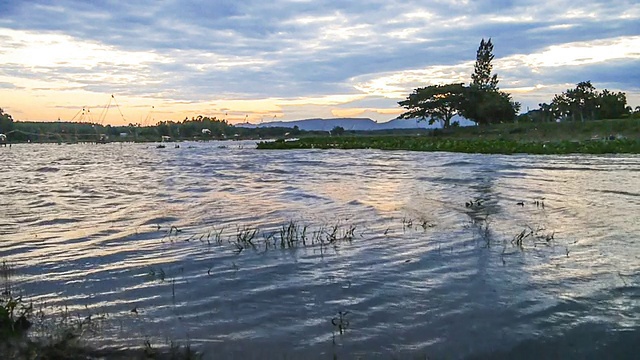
(296,59)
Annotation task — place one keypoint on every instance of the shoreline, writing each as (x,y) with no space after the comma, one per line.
(621,136)
(506,147)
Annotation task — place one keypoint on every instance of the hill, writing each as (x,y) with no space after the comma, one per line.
(359,124)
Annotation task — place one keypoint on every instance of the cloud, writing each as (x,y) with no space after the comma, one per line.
(287,52)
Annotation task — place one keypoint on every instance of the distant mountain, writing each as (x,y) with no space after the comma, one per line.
(360,124)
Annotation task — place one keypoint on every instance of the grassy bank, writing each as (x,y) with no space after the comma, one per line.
(594,137)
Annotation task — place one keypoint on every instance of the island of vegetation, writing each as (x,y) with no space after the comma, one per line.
(580,120)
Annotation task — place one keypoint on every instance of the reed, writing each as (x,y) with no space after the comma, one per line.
(290,235)
(539,235)
(7,272)
(340,322)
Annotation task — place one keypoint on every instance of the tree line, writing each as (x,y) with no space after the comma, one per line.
(196,128)
(584,103)
(483,103)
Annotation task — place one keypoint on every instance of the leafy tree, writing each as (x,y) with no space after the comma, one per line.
(585,103)
(338,130)
(546,113)
(582,101)
(612,105)
(489,107)
(435,102)
(561,106)
(6,122)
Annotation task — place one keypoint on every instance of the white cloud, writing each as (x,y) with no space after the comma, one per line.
(291,56)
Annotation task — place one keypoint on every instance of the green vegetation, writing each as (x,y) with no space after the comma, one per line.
(481,102)
(557,128)
(593,137)
(6,122)
(584,103)
(198,128)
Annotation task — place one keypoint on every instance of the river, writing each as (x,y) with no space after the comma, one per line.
(437,255)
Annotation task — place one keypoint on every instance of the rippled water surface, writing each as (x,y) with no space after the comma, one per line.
(108,228)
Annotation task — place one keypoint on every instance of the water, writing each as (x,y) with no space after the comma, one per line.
(93,228)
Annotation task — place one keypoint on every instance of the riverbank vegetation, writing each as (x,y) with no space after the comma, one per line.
(197,128)
(574,122)
(486,146)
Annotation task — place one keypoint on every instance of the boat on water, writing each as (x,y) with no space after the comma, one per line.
(164,139)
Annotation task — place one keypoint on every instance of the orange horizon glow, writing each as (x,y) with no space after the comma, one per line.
(54,96)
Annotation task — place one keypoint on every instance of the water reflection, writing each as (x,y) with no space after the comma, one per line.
(114,227)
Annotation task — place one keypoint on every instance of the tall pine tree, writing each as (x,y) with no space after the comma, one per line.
(481,77)
(485,103)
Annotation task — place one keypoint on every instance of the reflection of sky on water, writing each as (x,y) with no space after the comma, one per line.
(99,236)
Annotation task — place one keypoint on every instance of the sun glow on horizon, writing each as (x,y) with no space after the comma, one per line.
(49,76)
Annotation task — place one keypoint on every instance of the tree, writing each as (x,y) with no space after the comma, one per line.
(481,102)
(582,101)
(585,103)
(612,105)
(435,102)
(546,112)
(6,122)
(489,107)
(482,78)
(338,130)
(485,104)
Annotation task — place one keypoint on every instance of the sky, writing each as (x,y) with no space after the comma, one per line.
(260,61)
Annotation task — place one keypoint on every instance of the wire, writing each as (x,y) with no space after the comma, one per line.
(118,106)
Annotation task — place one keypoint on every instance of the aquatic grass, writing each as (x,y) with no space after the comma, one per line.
(425,224)
(244,238)
(245,235)
(478,145)
(291,234)
(7,272)
(47,333)
(538,233)
(217,235)
(407,223)
(348,233)
(172,234)
(38,331)
(481,226)
(157,274)
(175,351)
(340,322)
